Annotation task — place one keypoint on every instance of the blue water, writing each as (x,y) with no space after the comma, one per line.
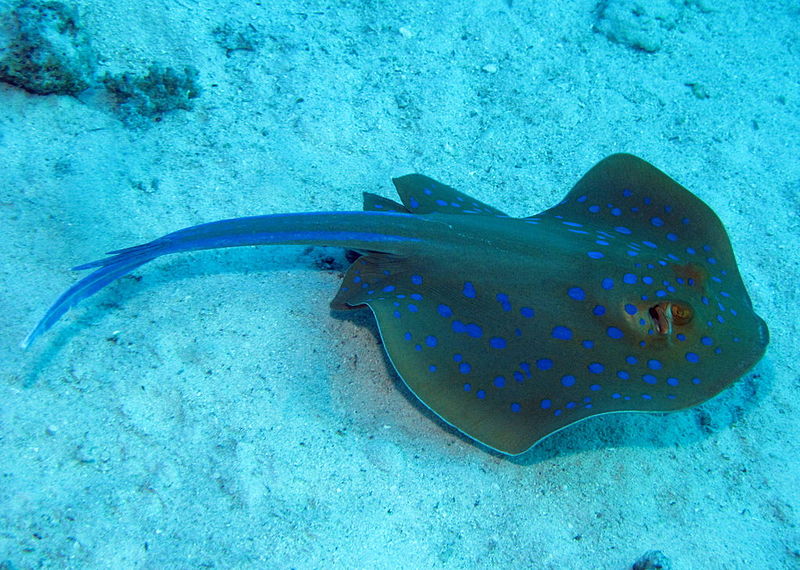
(211,410)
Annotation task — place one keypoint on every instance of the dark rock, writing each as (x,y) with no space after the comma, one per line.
(652,560)
(43,50)
(142,98)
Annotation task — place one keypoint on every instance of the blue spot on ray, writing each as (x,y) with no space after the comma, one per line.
(502,298)
(576,293)
(561,333)
(471,329)
(445,311)
(469,290)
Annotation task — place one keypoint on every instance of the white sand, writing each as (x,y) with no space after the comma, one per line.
(216,413)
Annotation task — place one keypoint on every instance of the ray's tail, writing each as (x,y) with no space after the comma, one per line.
(396,233)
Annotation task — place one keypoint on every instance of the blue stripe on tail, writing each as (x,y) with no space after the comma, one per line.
(320,228)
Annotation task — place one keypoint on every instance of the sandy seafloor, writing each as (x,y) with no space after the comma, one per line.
(213,412)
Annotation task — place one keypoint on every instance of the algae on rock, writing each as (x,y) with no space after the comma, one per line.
(140,98)
(43,50)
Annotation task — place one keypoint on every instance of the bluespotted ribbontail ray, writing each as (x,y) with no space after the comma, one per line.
(624,297)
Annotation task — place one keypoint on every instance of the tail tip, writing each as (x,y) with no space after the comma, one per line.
(26,343)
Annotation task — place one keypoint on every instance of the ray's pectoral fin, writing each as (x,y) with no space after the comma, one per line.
(662,210)
(447,346)
(372,277)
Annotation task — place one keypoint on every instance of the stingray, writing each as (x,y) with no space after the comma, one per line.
(625,297)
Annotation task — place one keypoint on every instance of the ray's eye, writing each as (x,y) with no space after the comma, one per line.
(666,314)
(661,318)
